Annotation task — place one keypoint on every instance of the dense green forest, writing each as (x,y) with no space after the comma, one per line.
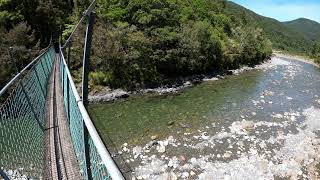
(140,43)
(310,29)
(150,41)
(26,27)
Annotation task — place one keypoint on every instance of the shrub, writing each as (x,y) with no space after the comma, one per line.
(100,78)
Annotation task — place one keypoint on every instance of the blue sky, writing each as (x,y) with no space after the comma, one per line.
(284,10)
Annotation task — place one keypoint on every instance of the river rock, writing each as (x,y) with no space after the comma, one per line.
(185,175)
(170,123)
(187,84)
(247,125)
(107,97)
(278,116)
(268,93)
(169,176)
(240,143)
(226,155)
(161,149)
(136,151)
(204,136)
(183,125)
(211,79)
(170,139)
(154,137)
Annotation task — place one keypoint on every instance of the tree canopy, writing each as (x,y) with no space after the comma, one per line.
(147,41)
(137,42)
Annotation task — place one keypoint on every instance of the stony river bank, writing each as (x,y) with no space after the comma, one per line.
(108,95)
(262,124)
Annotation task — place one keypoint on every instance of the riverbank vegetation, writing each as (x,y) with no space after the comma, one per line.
(26,27)
(142,43)
(145,42)
(316,52)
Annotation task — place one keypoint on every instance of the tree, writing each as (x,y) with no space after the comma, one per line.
(316,51)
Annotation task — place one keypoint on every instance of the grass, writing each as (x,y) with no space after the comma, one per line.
(296,55)
(318,168)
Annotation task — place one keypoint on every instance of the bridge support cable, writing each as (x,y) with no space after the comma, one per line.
(85,90)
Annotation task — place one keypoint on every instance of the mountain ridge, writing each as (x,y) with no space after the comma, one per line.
(289,36)
(310,28)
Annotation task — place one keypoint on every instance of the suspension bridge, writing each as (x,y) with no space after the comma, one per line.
(45,129)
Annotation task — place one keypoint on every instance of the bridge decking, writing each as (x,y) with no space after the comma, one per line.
(61,159)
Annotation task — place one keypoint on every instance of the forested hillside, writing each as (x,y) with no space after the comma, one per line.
(310,29)
(139,43)
(282,37)
(136,42)
(26,26)
(147,41)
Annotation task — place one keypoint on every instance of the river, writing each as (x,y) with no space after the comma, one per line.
(260,124)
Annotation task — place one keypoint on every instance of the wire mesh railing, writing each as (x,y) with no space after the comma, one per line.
(94,161)
(22,121)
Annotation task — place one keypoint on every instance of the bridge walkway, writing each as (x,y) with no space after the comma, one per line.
(61,158)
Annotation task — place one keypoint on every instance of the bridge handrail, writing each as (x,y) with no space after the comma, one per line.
(17,76)
(106,158)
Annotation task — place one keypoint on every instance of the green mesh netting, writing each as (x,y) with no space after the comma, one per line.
(98,169)
(22,122)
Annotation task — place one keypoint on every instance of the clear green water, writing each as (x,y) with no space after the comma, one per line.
(137,118)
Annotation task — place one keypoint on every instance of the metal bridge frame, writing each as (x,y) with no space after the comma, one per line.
(89,127)
(106,158)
